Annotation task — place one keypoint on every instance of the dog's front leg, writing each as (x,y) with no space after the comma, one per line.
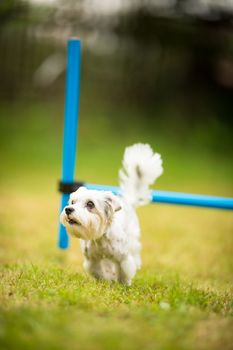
(128,270)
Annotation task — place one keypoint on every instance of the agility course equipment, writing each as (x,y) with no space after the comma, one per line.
(68,185)
(71,124)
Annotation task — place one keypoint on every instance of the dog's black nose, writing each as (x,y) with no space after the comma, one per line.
(69,210)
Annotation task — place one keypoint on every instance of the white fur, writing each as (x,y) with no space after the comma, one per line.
(109,232)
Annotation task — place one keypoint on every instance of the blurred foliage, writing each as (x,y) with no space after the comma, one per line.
(11,9)
(170,66)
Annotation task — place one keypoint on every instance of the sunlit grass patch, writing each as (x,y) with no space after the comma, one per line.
(182,296)
(46,305)
(52,285)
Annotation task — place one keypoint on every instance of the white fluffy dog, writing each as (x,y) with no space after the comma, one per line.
(107,225)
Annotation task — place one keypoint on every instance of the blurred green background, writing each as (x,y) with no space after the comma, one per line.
(151,73)
(159,72)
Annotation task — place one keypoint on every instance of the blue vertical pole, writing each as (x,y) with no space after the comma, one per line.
(70,125)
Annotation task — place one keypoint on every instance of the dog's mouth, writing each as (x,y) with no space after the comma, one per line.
(73,222)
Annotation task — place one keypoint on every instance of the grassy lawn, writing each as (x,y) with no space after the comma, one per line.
(182,297)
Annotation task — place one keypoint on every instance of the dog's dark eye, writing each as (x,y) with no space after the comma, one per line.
(90,205)
(72,202)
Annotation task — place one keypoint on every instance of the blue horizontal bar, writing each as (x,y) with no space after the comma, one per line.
(198,200)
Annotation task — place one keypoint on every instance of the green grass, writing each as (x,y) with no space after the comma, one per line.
(56,307)
(182,297)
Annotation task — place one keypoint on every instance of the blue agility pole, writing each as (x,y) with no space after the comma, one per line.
(167,197)
(70,125)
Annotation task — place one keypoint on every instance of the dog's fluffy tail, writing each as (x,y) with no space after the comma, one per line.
(141,167)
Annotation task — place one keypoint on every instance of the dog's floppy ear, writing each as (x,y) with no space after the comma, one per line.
(113,200)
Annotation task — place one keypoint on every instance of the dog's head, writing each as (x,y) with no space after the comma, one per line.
(89,213)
